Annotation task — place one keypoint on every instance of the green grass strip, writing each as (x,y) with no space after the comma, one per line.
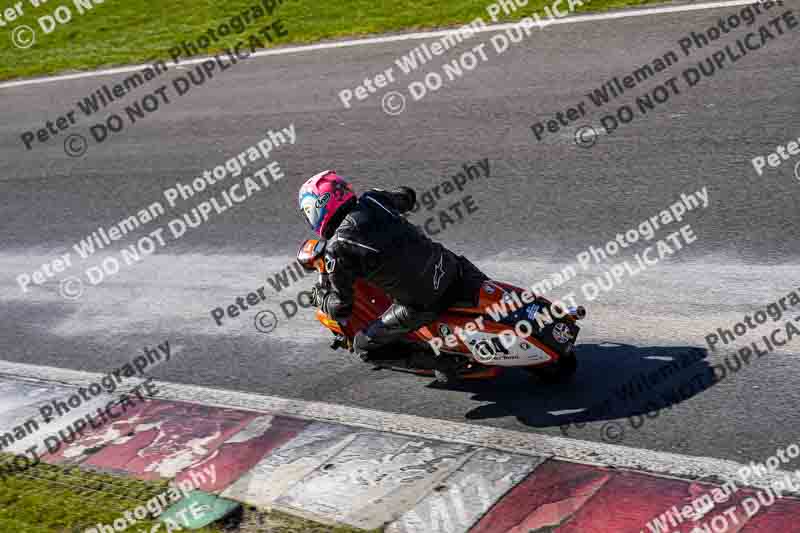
(66,499)
(123,32)
(49,498)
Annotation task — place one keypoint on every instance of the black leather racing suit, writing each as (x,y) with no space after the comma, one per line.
(375,243)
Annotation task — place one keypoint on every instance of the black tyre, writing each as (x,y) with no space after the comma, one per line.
(445,377)
(447,369)
(560,372)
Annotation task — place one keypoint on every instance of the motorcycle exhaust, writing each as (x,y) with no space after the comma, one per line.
(577,313)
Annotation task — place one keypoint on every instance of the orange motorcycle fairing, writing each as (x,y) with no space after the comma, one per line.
(470,332)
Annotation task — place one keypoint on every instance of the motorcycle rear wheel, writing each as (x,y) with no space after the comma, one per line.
(560,372)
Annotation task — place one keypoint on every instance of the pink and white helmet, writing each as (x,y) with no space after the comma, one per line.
(321,196)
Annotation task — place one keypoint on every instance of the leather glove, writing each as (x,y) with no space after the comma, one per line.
(318,294)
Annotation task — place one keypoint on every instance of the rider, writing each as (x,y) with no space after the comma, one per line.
(367,238)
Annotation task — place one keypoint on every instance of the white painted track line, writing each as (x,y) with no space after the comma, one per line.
(621,14)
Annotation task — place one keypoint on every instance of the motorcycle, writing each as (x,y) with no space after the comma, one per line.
(479,343)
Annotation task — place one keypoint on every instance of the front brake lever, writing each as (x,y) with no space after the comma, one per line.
(339,341)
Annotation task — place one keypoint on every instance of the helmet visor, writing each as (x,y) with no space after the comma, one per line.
(312,211)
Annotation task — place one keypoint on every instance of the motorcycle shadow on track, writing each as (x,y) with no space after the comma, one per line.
(613,381)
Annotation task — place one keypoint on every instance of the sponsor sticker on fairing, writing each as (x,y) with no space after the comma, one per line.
(561,332)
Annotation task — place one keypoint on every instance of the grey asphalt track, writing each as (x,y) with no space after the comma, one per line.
(543,203)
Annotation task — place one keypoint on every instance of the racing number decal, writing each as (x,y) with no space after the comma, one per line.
(489,349)
(486,347)
(498,345)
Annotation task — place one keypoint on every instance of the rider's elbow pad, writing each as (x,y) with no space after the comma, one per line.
(407,198)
